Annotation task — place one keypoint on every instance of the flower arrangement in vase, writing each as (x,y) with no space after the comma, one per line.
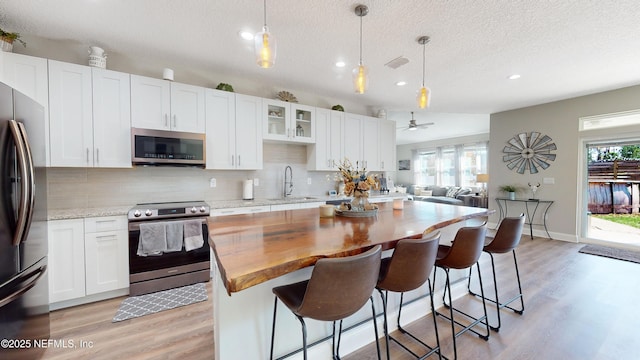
(7,39)
(356,184)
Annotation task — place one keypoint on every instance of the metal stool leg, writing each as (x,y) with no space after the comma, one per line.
(273,327)
(481,320)
(500,305)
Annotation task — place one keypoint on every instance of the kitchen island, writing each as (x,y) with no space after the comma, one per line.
(256,252)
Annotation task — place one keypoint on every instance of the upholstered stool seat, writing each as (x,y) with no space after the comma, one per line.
(407,269)
(337,288)
(506,240)
(464,252)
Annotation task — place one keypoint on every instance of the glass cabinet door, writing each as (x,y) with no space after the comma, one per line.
(288,122)
(277,113)
(303,122)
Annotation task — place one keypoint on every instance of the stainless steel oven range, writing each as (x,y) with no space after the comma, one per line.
(155,263)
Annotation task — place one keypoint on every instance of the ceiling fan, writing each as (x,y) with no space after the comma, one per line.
(415,126)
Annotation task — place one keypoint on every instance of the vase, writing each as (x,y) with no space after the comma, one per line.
(97,57)
(6,46)
(512,195)
(359,201)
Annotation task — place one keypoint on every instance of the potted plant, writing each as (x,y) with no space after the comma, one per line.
(511,190)
(7,39)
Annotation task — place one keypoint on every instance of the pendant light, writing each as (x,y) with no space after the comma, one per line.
(360,72)
(265,45)
(424,94)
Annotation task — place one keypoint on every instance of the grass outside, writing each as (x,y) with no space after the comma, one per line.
(626,219)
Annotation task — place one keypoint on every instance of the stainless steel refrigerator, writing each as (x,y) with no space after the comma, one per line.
(24,290)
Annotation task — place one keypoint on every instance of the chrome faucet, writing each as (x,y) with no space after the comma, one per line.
(288,185)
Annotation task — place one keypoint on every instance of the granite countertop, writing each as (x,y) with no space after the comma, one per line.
(80,213)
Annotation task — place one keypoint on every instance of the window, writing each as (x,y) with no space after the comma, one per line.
(473,161)
(451,165)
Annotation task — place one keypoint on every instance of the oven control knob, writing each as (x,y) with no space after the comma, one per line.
(137,213)
(194,210)
(202,209)
(148,212)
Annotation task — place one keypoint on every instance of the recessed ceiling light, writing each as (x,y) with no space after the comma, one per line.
(246,35)
(401,83)
(514,77)
(340,64)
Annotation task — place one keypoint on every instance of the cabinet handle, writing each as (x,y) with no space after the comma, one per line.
(233,163)
(97,155)
(166,120)
(175,120)
(238,160)
(383,165)
(87,155)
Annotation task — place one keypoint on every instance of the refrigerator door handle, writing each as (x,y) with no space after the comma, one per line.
(23,207)
(32,180)
(26,287)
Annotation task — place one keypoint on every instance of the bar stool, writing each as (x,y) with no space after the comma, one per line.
(507,239)
(463,253)
(407,269)
(338,287)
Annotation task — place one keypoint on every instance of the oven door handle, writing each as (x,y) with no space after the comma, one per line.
(135,225)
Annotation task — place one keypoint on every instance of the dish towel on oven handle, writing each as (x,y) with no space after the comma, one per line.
(193,235)
(153,239)
(174,236)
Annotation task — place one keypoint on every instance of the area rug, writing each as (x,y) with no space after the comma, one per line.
(136,306)
(610,252)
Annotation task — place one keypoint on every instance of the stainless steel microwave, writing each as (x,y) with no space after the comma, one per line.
(160,147)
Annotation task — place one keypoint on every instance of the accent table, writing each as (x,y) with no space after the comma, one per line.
(531,206)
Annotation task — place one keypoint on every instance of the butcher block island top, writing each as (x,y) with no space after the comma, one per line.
(253,248)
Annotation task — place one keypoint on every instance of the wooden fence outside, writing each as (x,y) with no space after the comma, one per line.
(614,187)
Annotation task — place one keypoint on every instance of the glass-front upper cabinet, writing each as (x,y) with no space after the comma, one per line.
(288,122)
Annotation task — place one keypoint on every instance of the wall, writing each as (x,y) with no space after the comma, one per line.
(87,188)
(559,120)
(404,152)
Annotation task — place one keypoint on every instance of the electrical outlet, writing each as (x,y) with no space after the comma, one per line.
(256,182)
(308,181)
(212,182)
(549,180)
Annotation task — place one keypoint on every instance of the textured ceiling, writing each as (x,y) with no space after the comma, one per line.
(562,49)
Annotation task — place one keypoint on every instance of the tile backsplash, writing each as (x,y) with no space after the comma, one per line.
(71,188)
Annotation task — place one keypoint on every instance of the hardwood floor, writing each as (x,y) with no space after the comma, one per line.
(183,333)
(578,306)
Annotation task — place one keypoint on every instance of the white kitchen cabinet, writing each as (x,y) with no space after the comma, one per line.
(89,116)
(296,206)
(234,131)
(187,108)
(106,244)
(311,205)
(370,143)
(361,141)
(240,210)
(327,151)
(352,136)
(66,260)
(70,114)
(111,119)
(288,122)
(29,75)
(387,144)
(163,105)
